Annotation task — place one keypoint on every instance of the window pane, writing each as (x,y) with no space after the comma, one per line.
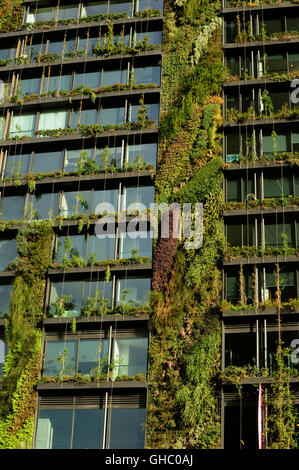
(110,77)
(52,120)
(102,248)
(148,75)
(106,200)
(153,37)
(133,291)
(55,47)
(114,116)
(90,80)
(75,202)
(57,83)
(42,206)
(277,187)
(130,356)
(120,6)
(47,162)
(71,289)
(127,431)
(60,357)
(72,156)
(109,156)
(22,125)
(73,245)
(5,295)
(29,86)
(149,4)
(153,112)
(138,195)
(69,11)
(143,154)
(233,190)
(234,234)
(93,354)
(17,165)
(101,289)
(8,252)
(3,352)
(141,245)
(54,429)
(88,429)
(276,63)
(12,208)
(292,23)
(293,62)
(240,349)
(95,8)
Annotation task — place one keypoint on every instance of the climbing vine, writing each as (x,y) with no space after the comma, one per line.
(23,336)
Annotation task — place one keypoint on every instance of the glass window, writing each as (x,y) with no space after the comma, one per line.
(5,294)
(72,245)
(72,156)
(93,354)
(29,86)
(127,431)
(12,207)
(52,120)
(74,202)
(231,31)
(141,155)
(22,125)
(142,5)
(135,243)
(72,292)
(292,23)
(54,429)
(233,189)
(274,234)
(277,187)
(232,147)
(103,197)
(110,77)
(41,14)
(135,198)
(146,75)
(102,248)
(94,8)
(17,165)
(57,83)
(89,79)
(8,252)
(88,429)
(287,286)
(240,349)
(47,162)
(42,206)
(87,117)
(6,54)
(234,234)
(153,37)
(67,11)
(109,157)
(55,47)
(130,356)
(293,62)
(100,289)
(133,291)
(233,65)
(3,352)
(60,358)
(114,116)
(152,108)
(276,63)
(120,6)
(274,25)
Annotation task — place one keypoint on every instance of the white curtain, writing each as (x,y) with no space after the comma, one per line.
(57,120)
(22,125)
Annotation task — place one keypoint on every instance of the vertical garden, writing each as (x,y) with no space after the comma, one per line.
(183,409)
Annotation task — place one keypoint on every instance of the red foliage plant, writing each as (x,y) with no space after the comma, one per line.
(165,251)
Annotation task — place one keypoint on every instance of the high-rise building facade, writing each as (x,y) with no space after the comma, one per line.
(260,271)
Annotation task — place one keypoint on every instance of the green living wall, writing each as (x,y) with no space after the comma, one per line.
(185,356)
